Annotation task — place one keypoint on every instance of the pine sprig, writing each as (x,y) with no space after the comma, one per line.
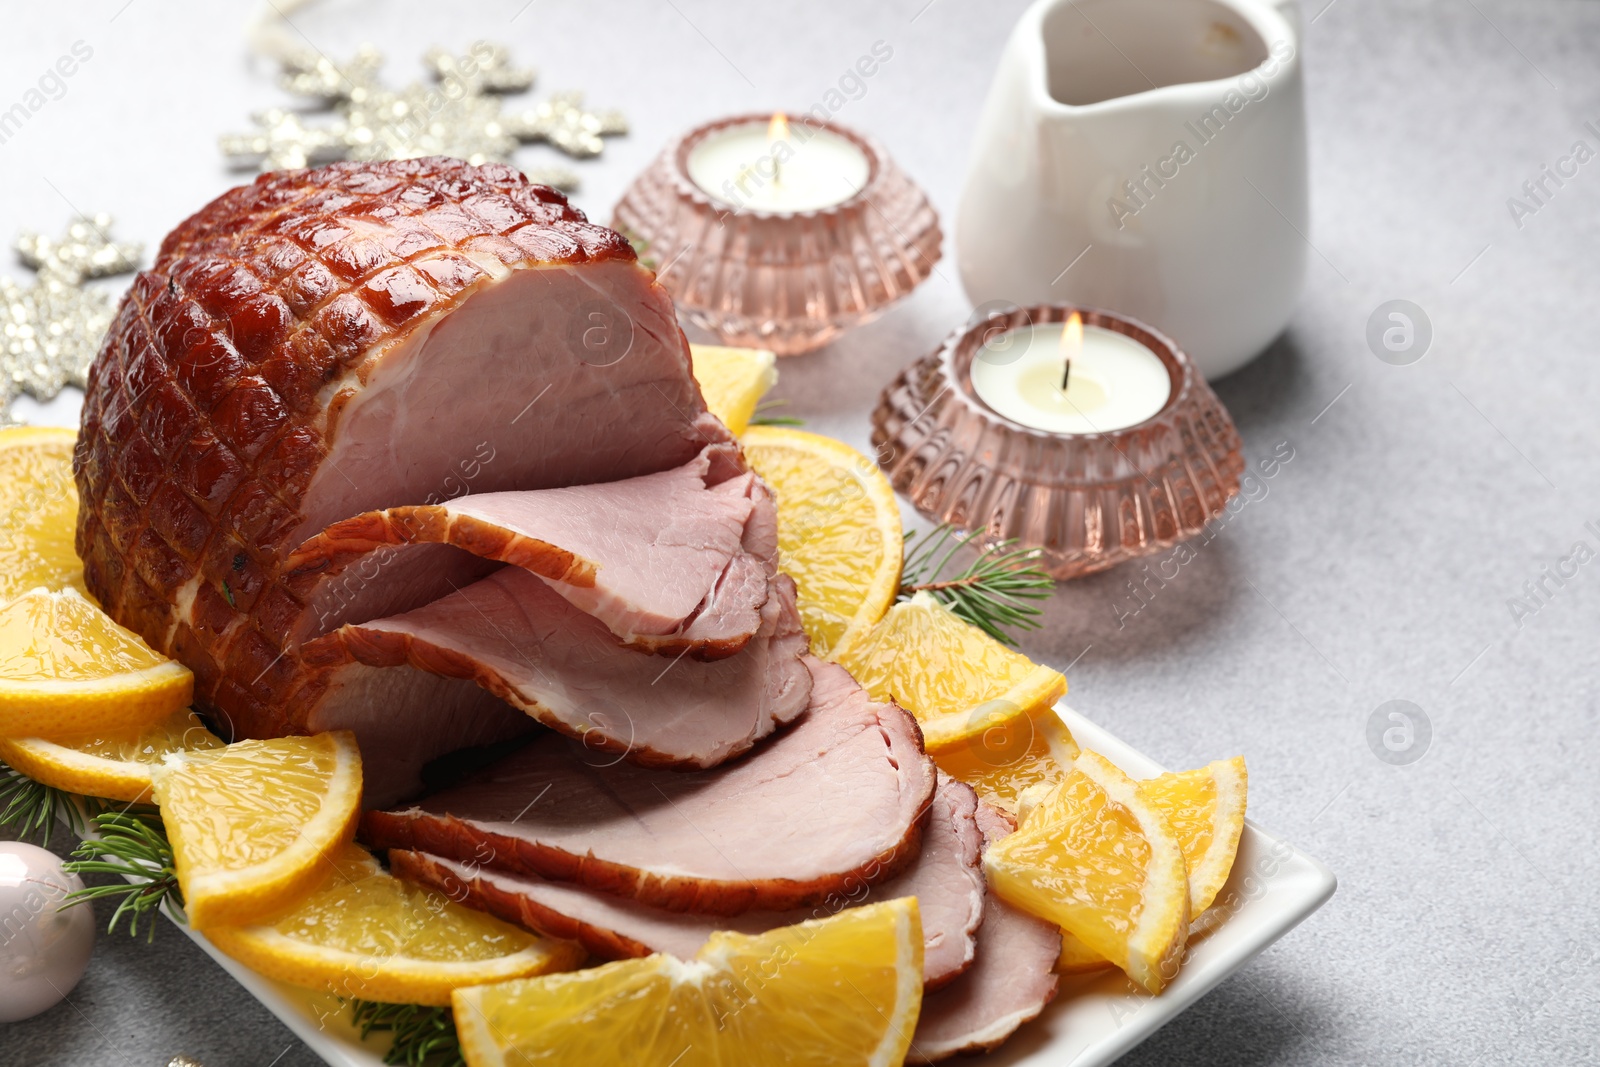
(31,808)
(995,592)
(130,844)
(423,1036)
(764,415)
(640,247)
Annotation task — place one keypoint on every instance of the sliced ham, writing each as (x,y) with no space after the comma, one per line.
(324,343)
(834,802)
(518,639)
(660,559)
(1009,983)
(946,879)
(438,715)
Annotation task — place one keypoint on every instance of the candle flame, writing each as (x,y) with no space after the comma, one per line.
(777,133)
(1072,336)
(1071,345)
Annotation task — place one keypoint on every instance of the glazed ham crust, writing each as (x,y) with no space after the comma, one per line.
(286,325)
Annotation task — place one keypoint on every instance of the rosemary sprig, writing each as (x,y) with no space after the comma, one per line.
(130,844)
(763,415)
(32,808)
(423,1036)
(995,592)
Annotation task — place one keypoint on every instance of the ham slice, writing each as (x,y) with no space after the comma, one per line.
(518,639)
(439,715)
(660,559)
(1009,983)
(834,801)
(946,879)
(324,343)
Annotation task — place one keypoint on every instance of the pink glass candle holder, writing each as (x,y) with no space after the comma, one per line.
(756,272)
(1085,501)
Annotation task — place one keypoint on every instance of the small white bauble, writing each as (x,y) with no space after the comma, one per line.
(43,950)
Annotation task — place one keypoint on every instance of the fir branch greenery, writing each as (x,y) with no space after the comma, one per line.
(764,415)
(640,248)
(423,1036)
(995,592)
(130,844)
(32,809)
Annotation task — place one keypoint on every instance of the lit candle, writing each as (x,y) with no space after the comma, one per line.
(1068,378)
(768,168)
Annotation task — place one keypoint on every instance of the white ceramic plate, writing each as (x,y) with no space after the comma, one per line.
(1093,1020)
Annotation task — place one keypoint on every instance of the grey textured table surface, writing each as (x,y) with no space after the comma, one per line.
(1378,565)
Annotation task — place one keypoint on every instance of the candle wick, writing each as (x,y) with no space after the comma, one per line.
(1066,374)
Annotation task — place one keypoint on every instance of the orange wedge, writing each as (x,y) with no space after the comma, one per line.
(1099,860)
(114,766)
(254,825)
(842,990)
(960,683)
(38,511)
(366,934)
(839,533)
(733,381)
(67,670)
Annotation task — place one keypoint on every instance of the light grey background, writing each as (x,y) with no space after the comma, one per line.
(1378,565)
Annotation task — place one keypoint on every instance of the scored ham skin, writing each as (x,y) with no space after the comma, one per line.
(520,640)
(946,879)
(1010,981)
(660,559)
(835,800)
(322,343)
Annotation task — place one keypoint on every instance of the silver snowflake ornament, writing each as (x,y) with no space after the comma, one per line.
(51,330)
(310,73)
(459,113)
(282,141)
(563,122)
(485,69)
(87,251)
(421,121)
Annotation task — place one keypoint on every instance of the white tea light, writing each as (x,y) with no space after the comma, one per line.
(1114,381)
(43,949)
(768,167)
(1135,454)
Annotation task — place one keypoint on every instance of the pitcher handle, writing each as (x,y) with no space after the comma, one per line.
(1289,9)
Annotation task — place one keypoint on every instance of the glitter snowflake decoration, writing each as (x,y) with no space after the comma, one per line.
(51,331)
(461,112)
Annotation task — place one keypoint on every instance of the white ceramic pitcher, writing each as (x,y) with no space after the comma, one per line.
(1149,157)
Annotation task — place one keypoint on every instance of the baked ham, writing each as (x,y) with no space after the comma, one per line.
(1009,983)
(324,344)
(946,879)
(517,638)
(835,800)
(412,448)
(660,559)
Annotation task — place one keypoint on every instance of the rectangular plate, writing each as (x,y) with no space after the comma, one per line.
(1093,1020)
(1097,1018)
